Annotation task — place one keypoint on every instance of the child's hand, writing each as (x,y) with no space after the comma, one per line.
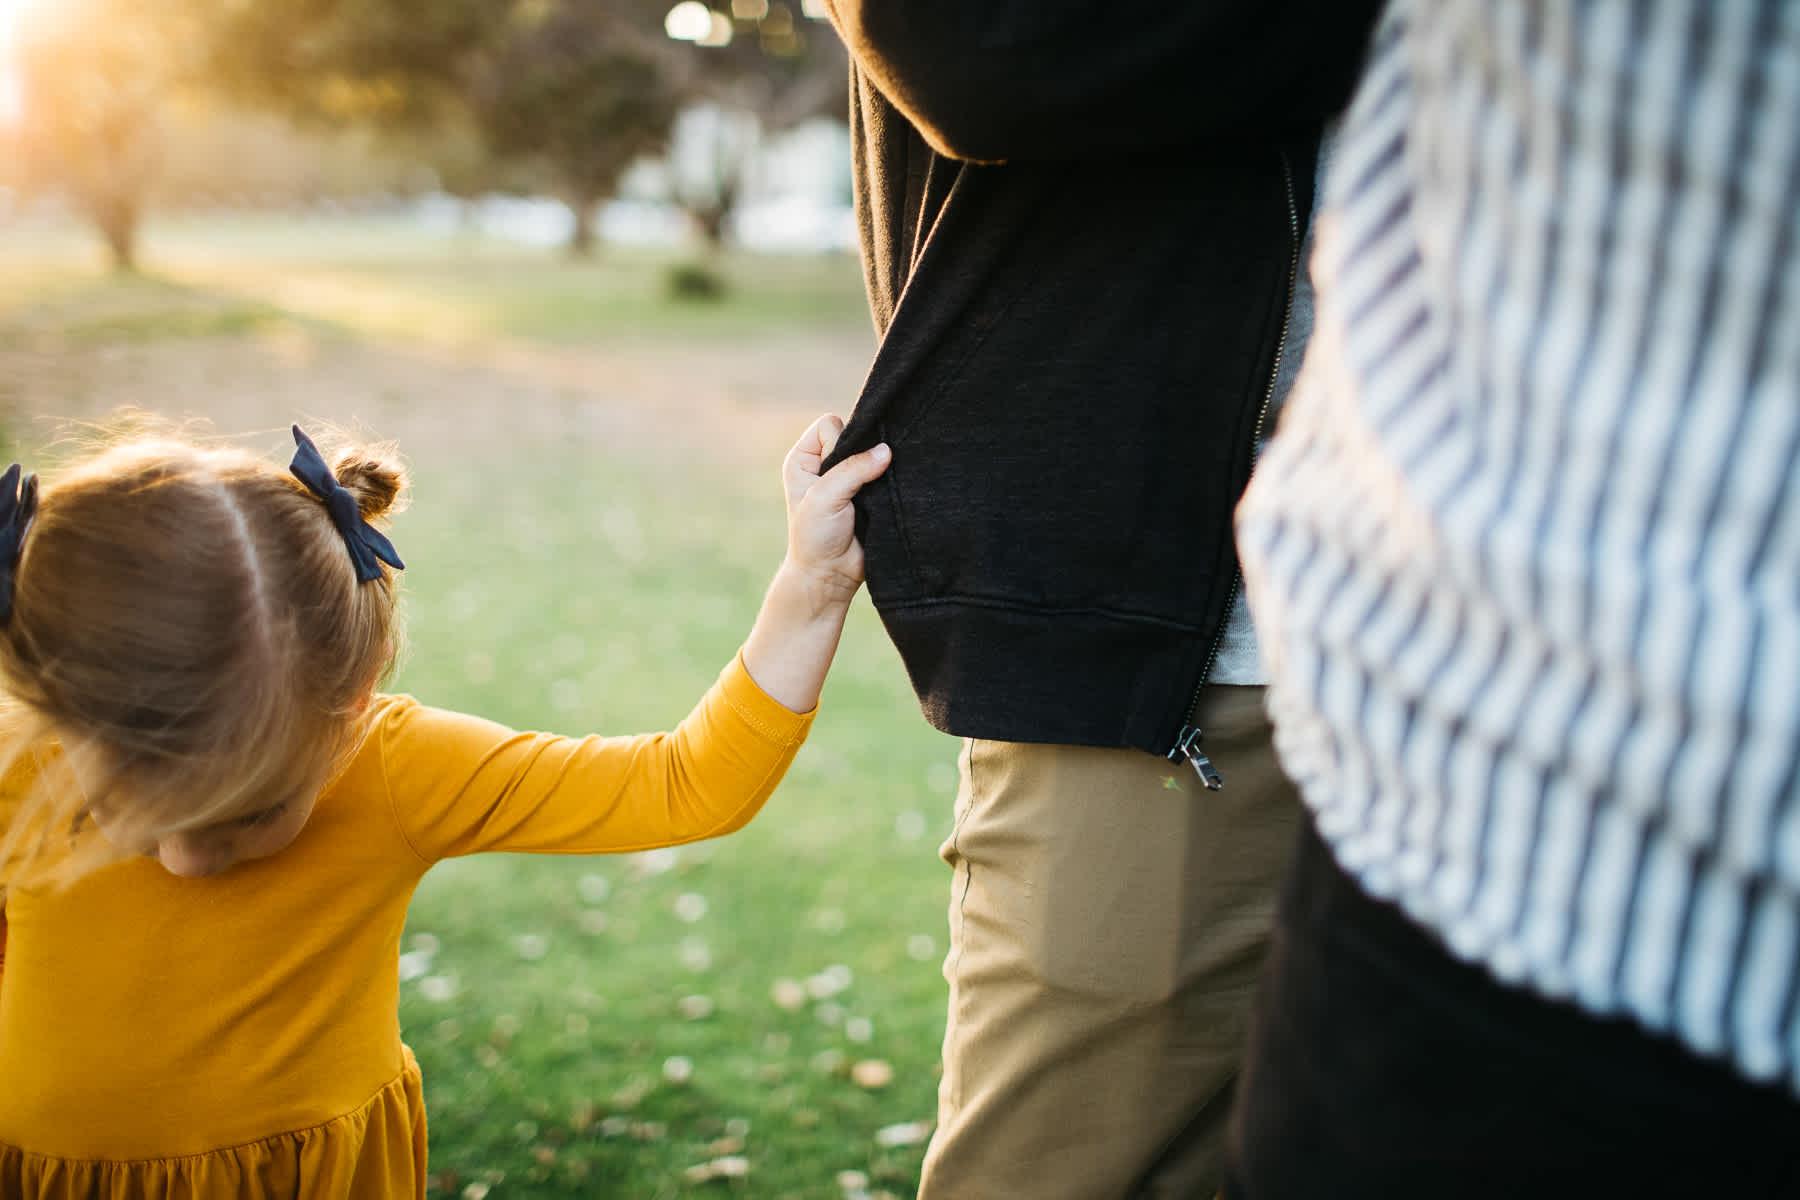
(821,520)
(796,633)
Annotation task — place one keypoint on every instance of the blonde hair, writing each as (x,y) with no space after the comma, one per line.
(188,640)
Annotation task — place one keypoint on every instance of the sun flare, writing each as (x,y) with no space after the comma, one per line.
(13,16)
(9,98)
(10,11)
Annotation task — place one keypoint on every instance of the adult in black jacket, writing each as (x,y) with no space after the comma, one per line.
(1082,228)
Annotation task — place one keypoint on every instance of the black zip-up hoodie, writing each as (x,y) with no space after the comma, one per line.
(1080,226)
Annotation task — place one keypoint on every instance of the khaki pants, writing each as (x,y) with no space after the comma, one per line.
(1108,921)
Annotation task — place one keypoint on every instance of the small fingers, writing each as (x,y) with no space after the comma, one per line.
(847,478)
(827,428)
(806,455)
(819,437)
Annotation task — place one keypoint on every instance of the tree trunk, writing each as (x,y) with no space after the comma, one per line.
(117,217)
(581,238)
(711,220)
(714,216)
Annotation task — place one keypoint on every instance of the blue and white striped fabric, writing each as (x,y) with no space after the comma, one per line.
(1525,551)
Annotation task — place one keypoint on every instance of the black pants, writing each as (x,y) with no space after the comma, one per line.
(1379,1066)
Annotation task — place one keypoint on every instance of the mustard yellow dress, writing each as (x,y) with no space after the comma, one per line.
(238,1036)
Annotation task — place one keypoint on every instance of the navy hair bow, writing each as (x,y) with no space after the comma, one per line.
(366,543)
(18,506)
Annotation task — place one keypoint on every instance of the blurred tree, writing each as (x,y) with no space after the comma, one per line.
(216,156)
(777,64)
(581,90)
(93,76)
(773,69)
(459,164)
(487,91)
(709,170)
(490,93)
(388,63)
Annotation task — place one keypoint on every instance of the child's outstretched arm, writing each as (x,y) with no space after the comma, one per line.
(790,647)
(458,784)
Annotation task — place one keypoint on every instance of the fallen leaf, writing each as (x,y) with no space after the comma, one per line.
(910,1133)
(872,1073)
(438,987)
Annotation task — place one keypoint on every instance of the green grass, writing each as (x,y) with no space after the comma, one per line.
(380,277)
(84,312)
(566,583)
(551,1069)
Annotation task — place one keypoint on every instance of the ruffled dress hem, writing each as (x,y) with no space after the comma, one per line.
(376,1152)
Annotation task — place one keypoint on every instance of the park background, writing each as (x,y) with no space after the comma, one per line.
(590,264)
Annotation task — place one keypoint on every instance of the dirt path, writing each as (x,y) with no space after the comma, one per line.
(736,404)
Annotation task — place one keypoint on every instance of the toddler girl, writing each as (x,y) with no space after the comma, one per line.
(211,820)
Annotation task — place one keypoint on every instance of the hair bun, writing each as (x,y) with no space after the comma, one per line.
(374,478)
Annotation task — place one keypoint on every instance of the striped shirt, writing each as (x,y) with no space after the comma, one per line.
(1525,552)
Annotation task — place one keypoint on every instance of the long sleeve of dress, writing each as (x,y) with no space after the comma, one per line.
(462,785)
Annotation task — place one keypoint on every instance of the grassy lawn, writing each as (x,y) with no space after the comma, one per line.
(595,514)
(383,278)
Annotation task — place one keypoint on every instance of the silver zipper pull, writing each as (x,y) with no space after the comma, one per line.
(1188,750)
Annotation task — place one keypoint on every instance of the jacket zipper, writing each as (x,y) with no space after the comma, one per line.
(1187,742)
